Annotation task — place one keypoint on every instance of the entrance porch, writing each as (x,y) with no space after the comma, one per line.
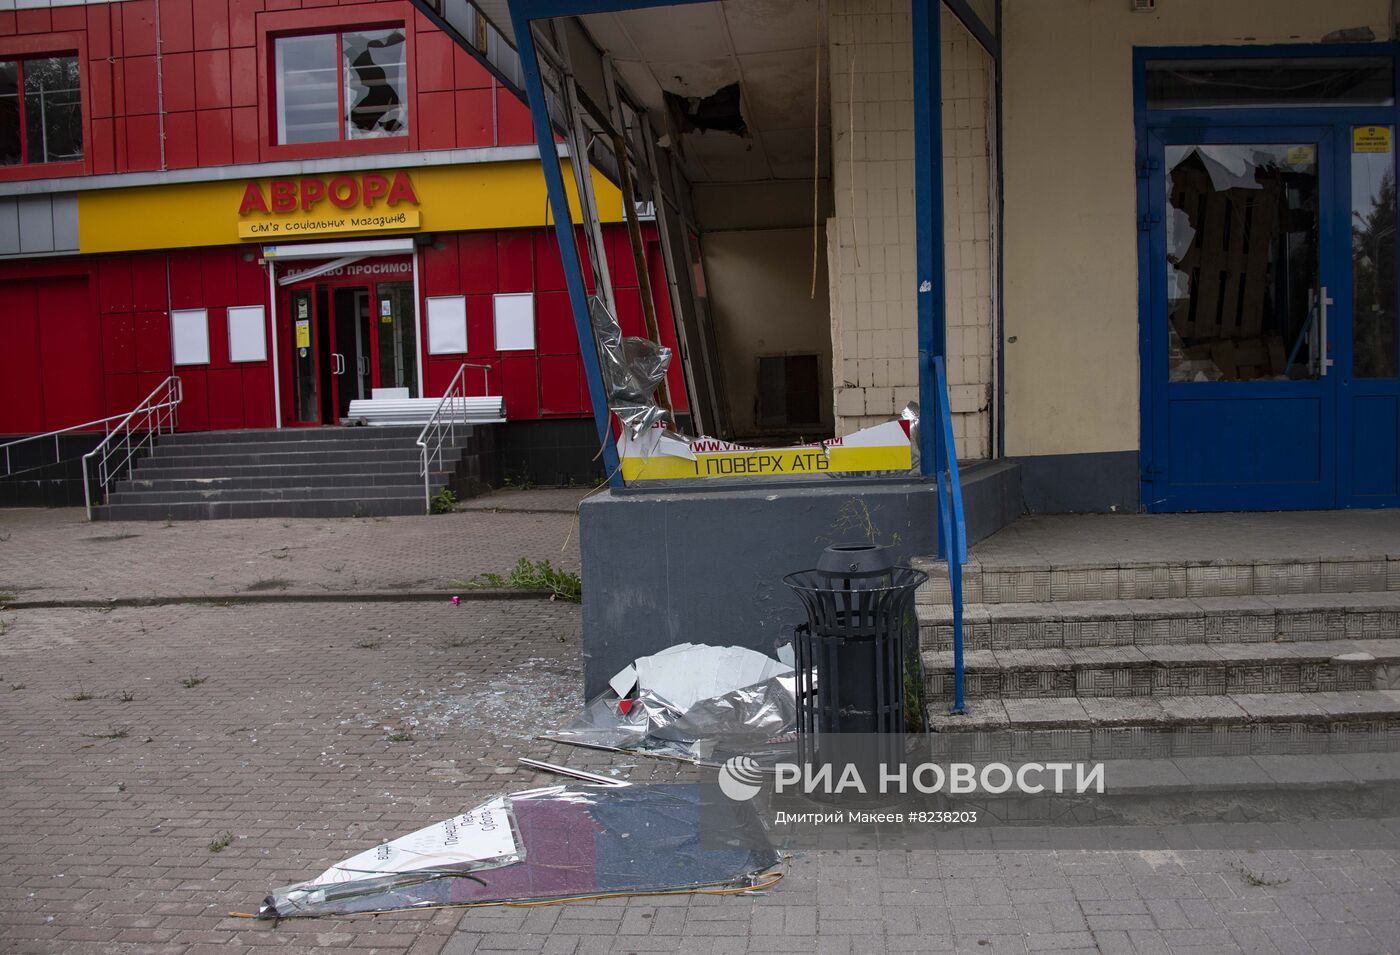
(1128,636)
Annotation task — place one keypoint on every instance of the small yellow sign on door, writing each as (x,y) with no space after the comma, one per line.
(1370,139)
(304,333)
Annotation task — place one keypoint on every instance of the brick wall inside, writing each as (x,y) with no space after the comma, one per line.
(871,237)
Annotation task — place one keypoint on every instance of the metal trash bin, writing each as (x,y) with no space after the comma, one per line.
(852,656)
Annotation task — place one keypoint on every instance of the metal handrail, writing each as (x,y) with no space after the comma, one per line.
(153,417)
(57,451)
(952,527)
(434,430)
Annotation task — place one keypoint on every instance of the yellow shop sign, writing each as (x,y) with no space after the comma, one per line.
(311,205)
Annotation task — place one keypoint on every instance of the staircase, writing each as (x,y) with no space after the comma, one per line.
(1168,658)
(307,472)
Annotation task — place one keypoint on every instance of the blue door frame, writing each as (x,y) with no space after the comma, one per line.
(1332,441)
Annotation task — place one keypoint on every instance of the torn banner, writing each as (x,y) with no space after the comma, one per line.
(659,455)
(696,703)
(554,844)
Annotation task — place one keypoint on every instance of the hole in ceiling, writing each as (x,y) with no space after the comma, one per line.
(719,111)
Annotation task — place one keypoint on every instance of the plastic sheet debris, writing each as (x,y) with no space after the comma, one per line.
(693,702)
(632,368)
(552,844)
(686,673)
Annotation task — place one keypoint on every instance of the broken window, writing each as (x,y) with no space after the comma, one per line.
(338,86)
(1242,262)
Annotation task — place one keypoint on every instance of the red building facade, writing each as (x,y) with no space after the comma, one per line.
(287,203)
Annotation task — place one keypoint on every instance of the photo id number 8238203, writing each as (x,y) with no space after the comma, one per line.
(944,816)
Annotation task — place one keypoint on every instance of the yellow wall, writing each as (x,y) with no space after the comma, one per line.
(451,198)
(1071,234)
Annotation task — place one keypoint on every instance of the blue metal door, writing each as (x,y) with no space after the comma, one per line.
(1245,265)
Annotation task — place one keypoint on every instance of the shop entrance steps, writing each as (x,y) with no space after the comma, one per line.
(1169,657)
(311,472)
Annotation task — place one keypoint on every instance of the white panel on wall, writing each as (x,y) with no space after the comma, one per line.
(447,325)
(247,336)
(189,336)
(515,321)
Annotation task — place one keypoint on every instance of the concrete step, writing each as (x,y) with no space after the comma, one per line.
(361,479)
(406,491)
(1170,670)
(286,470)
(220,510)
(373,443)
(298,435)
(1170,726)
(258,455)
(987,583)
(1214,620)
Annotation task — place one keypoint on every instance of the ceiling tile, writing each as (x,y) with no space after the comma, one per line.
(689,31)
(607,31)
(760,26)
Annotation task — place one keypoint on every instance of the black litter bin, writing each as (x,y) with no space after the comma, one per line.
(857,657)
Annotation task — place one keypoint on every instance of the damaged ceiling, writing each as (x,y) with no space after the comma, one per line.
(770,48)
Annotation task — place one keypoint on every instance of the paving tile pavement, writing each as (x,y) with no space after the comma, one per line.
(117,775)
(56,554)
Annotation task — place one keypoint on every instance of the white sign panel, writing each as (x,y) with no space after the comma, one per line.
(189,336)
(515,322)
(247,337)
(447,325)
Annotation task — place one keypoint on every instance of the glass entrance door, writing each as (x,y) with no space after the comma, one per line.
(306,379)
(395,327)
(1243,251)
(1272,353)
(1371,389)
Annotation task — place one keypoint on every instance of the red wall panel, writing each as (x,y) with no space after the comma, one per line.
(143,142)
(436,126)
(211,25)
(177,74)
(148,282)
(212,85)
(562,390)
(182,141)
(19,361)
(138,26)
(118,344)
(515,261)
(176,26)
(214,129)
(152,332)
(513,125)
(114,283)
(225,398)
(70,346)
(478,261)
(33,21)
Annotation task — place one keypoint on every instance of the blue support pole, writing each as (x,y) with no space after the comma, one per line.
(928,226)
(568,246)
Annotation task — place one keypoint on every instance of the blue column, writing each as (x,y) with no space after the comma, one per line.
(928,226)
(568,247)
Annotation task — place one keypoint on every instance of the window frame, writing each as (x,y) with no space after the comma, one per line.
(275,25)
(39,46)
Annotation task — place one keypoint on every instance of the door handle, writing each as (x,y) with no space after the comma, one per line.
(1322,349)
(339,366)
(360,362)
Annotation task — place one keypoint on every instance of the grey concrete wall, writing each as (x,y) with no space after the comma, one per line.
(707,566)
